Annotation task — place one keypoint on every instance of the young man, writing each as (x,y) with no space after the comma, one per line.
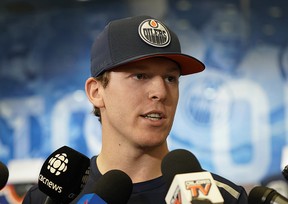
(135,68)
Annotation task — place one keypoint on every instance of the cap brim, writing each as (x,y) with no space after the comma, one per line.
(188,64)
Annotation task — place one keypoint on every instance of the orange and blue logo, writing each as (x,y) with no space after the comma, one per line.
(202,186)
(154,33)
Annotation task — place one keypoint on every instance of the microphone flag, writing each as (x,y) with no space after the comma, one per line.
(189,186)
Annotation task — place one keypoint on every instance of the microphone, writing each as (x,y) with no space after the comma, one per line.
(205,201)
(4,174)
(114,187)
(265,195)
(188,182)
(285,172)
(63,175)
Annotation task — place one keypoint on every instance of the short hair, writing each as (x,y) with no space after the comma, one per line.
(104,80)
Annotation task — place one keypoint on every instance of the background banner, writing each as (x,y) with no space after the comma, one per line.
(233,116)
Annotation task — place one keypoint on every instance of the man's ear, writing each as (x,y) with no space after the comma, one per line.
(93,91)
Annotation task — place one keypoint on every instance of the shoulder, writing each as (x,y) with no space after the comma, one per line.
(94,171)
(231,192)
(34,196)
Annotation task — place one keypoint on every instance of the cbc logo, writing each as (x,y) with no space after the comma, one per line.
(58,164)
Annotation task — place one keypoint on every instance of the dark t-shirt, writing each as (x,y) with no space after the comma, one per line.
(149,192)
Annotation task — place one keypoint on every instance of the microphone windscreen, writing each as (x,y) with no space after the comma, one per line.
(179,161)
(64,174)
(4,174)
(115,187)
(285,172)
(260,195)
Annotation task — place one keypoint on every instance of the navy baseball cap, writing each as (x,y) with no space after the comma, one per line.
(135,38)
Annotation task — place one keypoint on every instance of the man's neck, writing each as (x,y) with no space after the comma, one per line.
(141,165)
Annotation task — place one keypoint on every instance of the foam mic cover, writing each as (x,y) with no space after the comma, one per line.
(285,172)
(4,174)
(114,187)
(64,174)
(265,195)
(179,161)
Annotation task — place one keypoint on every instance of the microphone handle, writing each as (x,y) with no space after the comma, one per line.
(48,200)
(201,201)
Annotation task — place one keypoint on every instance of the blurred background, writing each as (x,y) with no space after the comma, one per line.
(233,116)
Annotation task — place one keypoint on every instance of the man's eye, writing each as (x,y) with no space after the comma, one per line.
(139,76)
(172,79)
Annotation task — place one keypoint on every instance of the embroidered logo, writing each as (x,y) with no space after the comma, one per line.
(154,33)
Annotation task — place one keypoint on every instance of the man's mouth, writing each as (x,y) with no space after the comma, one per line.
(153,116)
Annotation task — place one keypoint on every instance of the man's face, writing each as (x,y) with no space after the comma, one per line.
(140,101)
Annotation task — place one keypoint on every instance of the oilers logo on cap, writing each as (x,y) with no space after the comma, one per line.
(154,33)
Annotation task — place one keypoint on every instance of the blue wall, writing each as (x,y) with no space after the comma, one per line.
(233,116)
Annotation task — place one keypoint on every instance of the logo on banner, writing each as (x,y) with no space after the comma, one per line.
(197,186)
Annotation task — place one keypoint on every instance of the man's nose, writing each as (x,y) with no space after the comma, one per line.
(158,89)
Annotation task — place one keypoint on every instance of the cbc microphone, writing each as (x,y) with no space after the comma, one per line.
(265,195)
(4,174)
(189,183)
(63,175)
(114,187)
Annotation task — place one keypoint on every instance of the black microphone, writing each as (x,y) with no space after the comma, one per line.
(265,195)
(187,181)
(63,175)
(4,174)
(114,187)
(285,172)
(179,161)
